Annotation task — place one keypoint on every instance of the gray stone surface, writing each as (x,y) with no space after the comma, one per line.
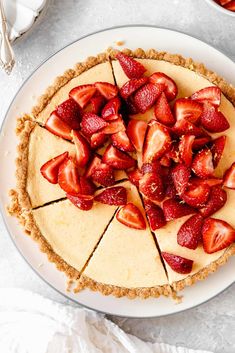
(212,325)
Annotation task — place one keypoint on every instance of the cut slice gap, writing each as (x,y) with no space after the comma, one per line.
(49,203)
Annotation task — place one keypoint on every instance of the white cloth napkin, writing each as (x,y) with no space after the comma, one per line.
(30,323)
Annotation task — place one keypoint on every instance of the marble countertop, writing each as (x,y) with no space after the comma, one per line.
(209,326)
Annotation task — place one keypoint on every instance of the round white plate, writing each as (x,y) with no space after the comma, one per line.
(134,37)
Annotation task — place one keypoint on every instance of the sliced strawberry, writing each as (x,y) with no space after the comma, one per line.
(229,177)
(155,215)
(84,202)
(131,107)
(92,123)
(98,139)
(82,149)
(117,159)
(210,182)
(170,189)
(165,161)
(154,167)
(216,201)
(200,142)
(70,112)
(178,264)
(111,109)
(190,233)
(173,152)
(163,112)
(96,104)
(217,235)
(157,141)
(103,174)
(116,195)
(131,67)
(87,186)
(58,127)
(151,186)
(106,89)
(136,131)
(196,195)
(185,149)
(230,6)
(185,127)
(180,176)
(96,161)
(82,94)
(131,86)
(217,148)
(68,177)
(134,176)
(210,95)
(188,109)
(130,216)
(122,142)
(213,120)
(202,164)
(114,127)
(223,2)
(169,86)
(50,169)
(146,96)
(174,209)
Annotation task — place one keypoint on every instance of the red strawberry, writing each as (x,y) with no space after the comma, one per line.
(174,209)
(95,105)
(210,95)
(185,127)
(82,94)
(213,120)
(131,86)
(202,164)
(190,233)
(68,177)
(173,152)
(210,182)
(58,127)
(188,109)
(131,67)
(229,177)
(163,112)
(200,142)
(70,112)
(117,159)
(230,6)
(92,123)
(134,176)
(154,167)
(103,174)
(136,131)
(96,161)
(116,195)
(114,126)
(98,139)
(131,107)
(223,2)
(216,201)
(185,149)
(155,215)
(111,109)
(87,186)
(180,176)
(217,235)
(146,96)
(84,202)
(130,216)
(177,263)
(151,186)
(169,87)
(196,195)
(217,148)
(82,149)
(122,142)
(171,191)
(107,90)
(157,141)
(50,169)
(165,161)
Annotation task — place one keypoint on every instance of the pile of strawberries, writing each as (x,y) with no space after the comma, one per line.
(171,159)
(227,4)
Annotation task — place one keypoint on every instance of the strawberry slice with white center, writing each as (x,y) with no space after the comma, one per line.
(87,186)
(185,127)
(92,123)
(134,176)
(131,86)
(163,112)
(84,202)
(196,195)
(200,142)
(174,209)
(230,6)
(216,201)
(114,126)
(180,176)
(50,169)
(185,149)
(229,177)
(98,139)
(155,215)
(82,94)
(178,264)
(202,164)
(131,216)
(131,67)
(136,131)
(82,149)
(151,186)
(188,109)
(121,141)
(168,85)
(217,148)
(116,195)
(190,233)
(146,96)
(157,141)
(111,109)
(70,112)
(213,120)
(106,89)
(103,174)
(68,177)
(217,235)
(210,95)
(96,104)
(58,127)
(96,161)
(117,159)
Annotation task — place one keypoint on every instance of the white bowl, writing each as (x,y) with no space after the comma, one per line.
(220,8)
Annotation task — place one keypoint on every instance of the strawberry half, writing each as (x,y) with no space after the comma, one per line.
(130,106)
(151,186)
(177,263)
(82,149)
(157,141)
(103,174)
(130,216)
(68,177)
(190,233)
(117,159)
(146,96)
(217,235)
(200,142)
(216,201)
(213,120)
(111,109)
(230,6)
(210,95)
(96,161)
(98,139)
(84,202)
(96,104)
(185,149)
(70,112)
(136,131)
(131,86)
(217,148)
(87,186)
(163,112)
(134,176)
(155,215)
(114,127)
(122,142)
(107,90)
(180,175)
(168,85)
(196,195)
(202,164)
(185,127)
(58,127)
(50,169)
(154,167)
(188,109)
(116,195)
(82,94)
(229,177)
(92,123)
(131,67)
(174,209)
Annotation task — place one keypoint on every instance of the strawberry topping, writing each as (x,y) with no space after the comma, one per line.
(136,131)
(103,174)
(188,109)
(180,176)
(202,164)
(82,94)
(216,201)
(82,149)
(116,195)
(122,142)
(174,209)
(217,148)
(177,263)
(151,186)
(146,96)
(70,112)
(92,123)
(163,112)
(213,120)
(155,215)
(229,178)
(50,169)
(168,85)
(210,95)
(190,233)
(107,90)
(111,109)
(87,186)
(117,159)
(84,202)
(185,149)
(134,176)
(131,216)
(68,177)
(196,195)
(131,86)
(58,127)
(131,67)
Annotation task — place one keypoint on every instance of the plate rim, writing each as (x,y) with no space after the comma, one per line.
(1,129)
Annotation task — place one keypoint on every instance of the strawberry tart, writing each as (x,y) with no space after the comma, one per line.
(126,173)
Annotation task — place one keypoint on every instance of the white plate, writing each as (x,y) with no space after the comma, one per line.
(134,37)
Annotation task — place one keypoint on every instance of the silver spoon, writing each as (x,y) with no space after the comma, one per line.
(7,60)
